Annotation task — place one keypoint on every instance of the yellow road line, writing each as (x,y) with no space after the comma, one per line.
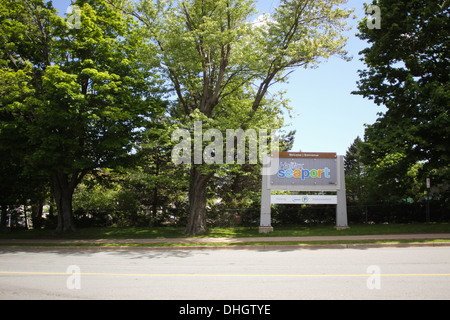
(32,273)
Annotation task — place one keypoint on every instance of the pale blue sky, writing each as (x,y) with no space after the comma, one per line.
(327,116)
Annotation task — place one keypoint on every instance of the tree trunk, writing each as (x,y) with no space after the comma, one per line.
(25,214)
(63,189)
(154,210)
(155,192)
(36,214)
(3,217)
(197,201)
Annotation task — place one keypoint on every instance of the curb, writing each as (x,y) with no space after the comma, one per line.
(360,246)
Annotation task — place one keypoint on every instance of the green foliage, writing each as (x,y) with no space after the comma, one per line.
(220,66)
(408,72)
(354,172)
(80,98)
(81,101)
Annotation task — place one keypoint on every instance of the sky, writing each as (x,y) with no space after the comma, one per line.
(325,115)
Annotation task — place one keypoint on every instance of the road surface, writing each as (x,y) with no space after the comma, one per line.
(382,273)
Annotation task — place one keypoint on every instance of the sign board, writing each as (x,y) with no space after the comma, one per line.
(304,171)
(304,199)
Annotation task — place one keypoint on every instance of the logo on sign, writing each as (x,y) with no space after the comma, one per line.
(305,173)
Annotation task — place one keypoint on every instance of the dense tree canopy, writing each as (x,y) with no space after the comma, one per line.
(220,65)
(76,99)
(408,72)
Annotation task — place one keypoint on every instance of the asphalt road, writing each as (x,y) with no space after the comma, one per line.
(382,273)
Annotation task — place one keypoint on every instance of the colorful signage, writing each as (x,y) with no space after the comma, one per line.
(300,168)
(304,173)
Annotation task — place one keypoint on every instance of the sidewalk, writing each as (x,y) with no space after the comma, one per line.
(256,242)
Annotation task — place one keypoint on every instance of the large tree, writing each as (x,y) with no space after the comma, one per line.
(74,89)
(218,62)
(408,72)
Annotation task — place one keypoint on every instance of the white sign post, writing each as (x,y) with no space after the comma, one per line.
(300,172)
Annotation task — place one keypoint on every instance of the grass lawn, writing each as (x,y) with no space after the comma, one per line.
(237,232)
